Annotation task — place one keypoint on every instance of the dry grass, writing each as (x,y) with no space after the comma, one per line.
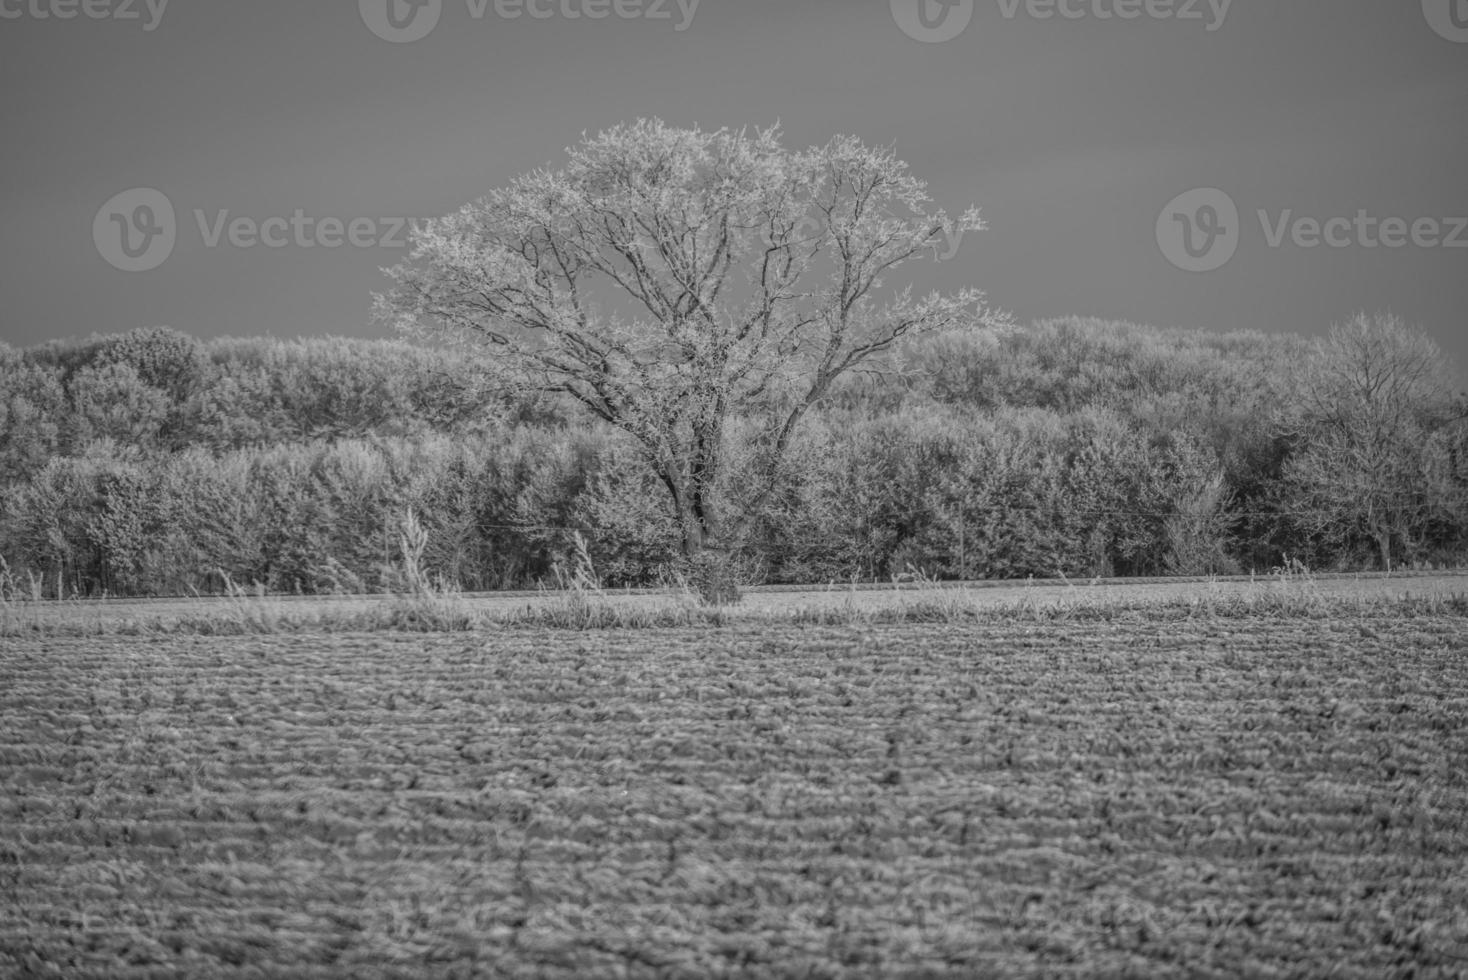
(428,603)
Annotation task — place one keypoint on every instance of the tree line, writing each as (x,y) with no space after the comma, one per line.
(152,462)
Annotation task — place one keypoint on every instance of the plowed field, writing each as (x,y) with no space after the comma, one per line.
(1253,797)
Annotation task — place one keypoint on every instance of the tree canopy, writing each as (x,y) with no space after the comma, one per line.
(667,279)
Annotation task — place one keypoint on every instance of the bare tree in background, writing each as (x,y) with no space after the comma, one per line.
(670,279)
(1381,440)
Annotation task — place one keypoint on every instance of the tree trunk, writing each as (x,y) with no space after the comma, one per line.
(693,516)
(700,531)
(711,573)
(695,533)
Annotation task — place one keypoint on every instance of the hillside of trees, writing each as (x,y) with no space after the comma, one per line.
(152,463)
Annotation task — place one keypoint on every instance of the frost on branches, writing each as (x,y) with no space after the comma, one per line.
(670,280)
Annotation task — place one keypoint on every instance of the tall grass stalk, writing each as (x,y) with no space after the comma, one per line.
(427,602)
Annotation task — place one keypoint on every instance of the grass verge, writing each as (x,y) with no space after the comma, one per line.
(581,604)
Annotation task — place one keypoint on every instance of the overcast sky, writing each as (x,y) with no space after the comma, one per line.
(1072,133)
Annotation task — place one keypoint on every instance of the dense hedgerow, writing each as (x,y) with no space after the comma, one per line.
(154,463)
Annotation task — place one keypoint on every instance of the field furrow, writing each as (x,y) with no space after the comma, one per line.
(1263,796)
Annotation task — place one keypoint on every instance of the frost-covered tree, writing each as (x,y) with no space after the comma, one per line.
(1380,441)
(670,279)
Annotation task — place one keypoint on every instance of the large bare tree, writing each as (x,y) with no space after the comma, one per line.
(668,279)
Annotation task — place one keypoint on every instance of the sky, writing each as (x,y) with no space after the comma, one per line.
(1274,165)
